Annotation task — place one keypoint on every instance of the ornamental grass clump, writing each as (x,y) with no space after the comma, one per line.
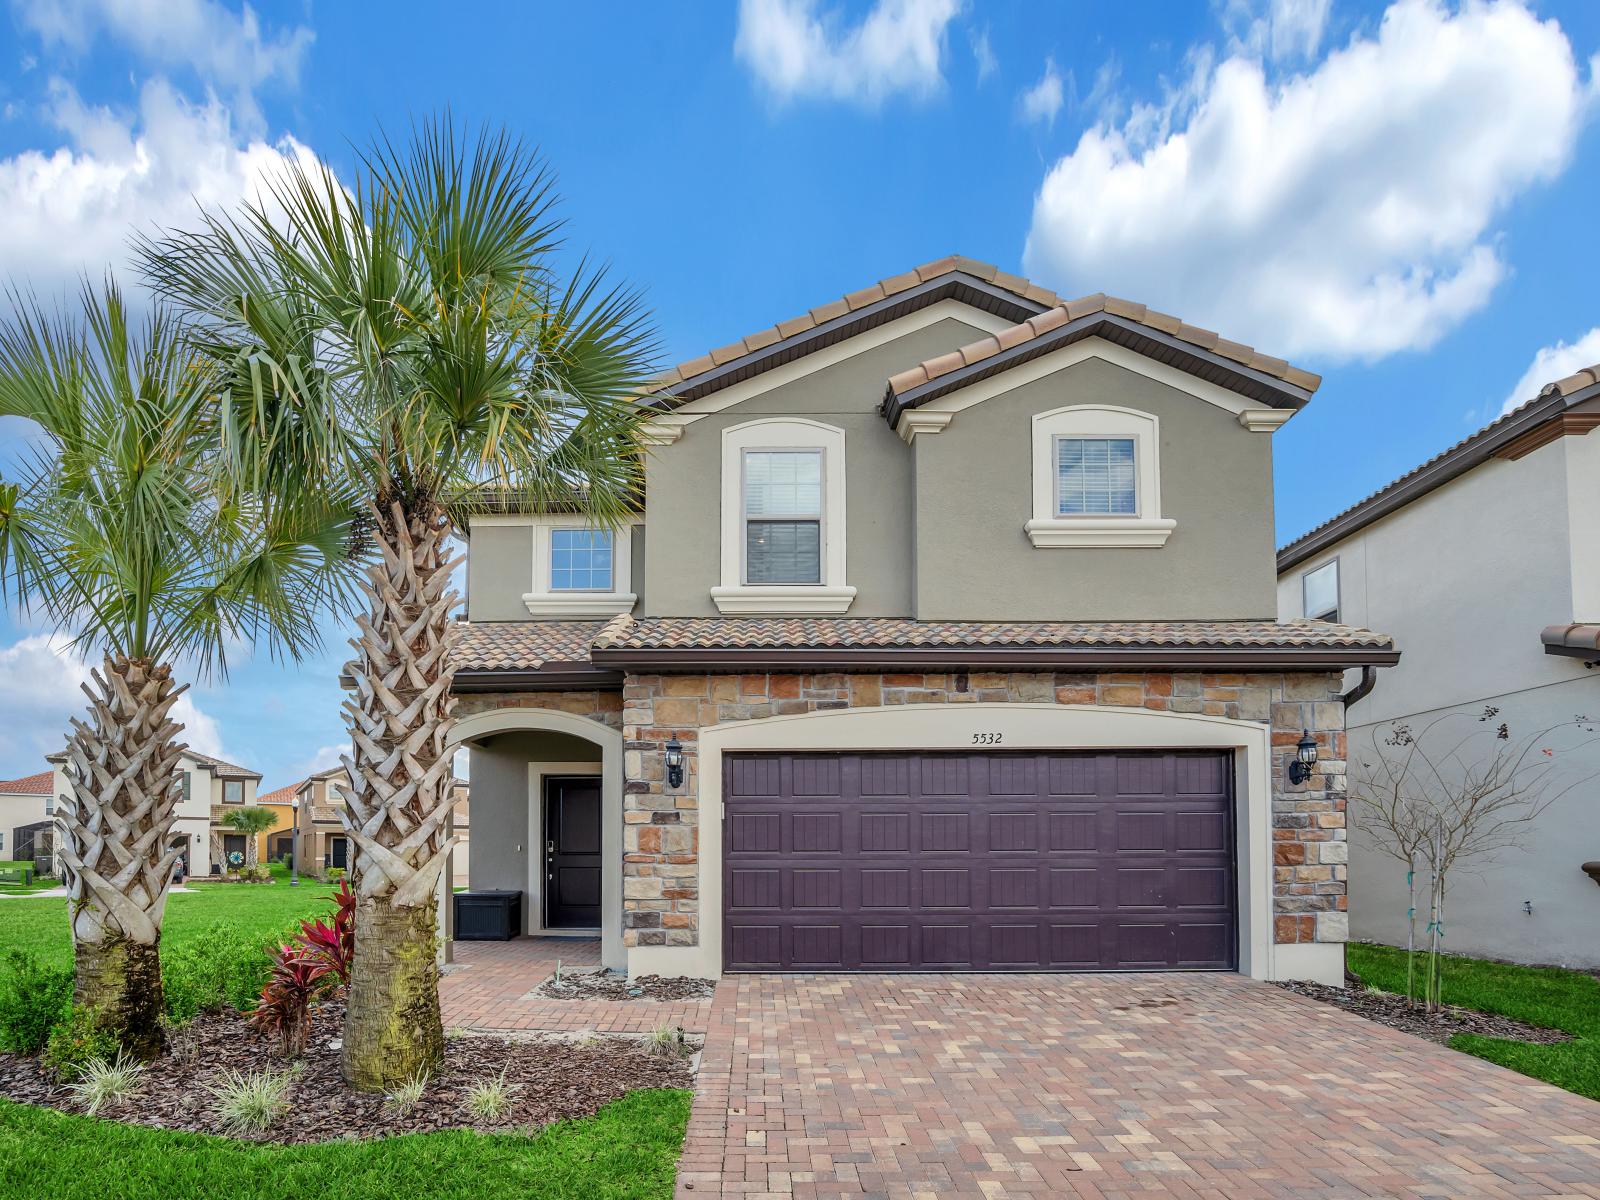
(103,1083)
(251,1102)
(489,1099)
(407,1095)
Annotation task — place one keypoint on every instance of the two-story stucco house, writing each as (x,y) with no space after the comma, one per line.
(947,639)
(1484,564)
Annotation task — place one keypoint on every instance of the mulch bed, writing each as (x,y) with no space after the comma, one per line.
(613,985)
(1439,1026)
(558,1078)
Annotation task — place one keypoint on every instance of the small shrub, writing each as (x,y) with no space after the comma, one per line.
(669,1041)
(299,976)
(102,1082)
(251,1101)
(335,944)
(335,874)
(405,1097)
(33,998)
(75,1042)
(220,968)
(488,1099)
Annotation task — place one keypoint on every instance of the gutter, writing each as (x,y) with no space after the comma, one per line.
(1369,680)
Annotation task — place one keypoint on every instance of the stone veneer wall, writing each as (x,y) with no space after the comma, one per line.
(660,836)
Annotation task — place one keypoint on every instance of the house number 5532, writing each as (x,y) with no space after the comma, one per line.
(986,739)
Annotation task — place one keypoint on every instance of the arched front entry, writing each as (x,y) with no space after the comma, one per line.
(518,756)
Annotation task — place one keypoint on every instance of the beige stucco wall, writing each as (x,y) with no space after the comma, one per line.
(682,550)
(1465,578)
(974,494)
(16,811)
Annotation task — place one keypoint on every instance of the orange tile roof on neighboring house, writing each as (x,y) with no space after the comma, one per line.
(29,785)
(283,795)
(1073,310)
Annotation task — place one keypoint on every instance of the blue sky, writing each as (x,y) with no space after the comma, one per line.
(1397,196)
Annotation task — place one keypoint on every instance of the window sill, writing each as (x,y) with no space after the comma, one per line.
(782,598)
(1092,532)
(579,604)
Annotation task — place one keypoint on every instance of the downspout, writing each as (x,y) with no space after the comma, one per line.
(1369,680)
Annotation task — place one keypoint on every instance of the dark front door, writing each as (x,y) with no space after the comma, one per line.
(1090,861)
(233,849)
(572,852)
(338,852)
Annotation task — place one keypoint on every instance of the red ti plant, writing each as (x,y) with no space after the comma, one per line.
(299,976)
(335,944)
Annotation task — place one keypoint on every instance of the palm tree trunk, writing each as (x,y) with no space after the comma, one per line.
(122,767)
(398,804)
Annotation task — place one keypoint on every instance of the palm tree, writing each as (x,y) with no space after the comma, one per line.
(116,530)
(413,334)
(252,820)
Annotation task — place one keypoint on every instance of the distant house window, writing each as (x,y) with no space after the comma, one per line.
(1322,592)
(580,560)
(188,786)
(782,516)
(232,791)
(50,805)
(1095,477)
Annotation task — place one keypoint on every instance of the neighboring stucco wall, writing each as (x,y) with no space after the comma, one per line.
(683,550)
(499,572)
(16,811)
(974,494)
(1464,578)
(662,894)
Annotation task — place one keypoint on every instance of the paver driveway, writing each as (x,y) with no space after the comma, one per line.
(1106,1086)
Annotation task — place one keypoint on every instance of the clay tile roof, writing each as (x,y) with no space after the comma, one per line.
(523,645)
(852,302)
(29,785)
(281,795)
(1064,313)
(1446,465)
(664,633)
(222,769)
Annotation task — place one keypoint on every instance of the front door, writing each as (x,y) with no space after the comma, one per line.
(572,852)
(338,852)
(233,850)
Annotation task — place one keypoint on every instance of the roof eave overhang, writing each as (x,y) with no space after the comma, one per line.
(1581,641)
(556,677)
(1163,347)
(900,658)
(957,285)
(1449,466)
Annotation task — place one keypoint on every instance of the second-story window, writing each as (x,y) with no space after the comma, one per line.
(1322,592)
(580,560)
(188,786)
(782,516)
(1095,477)
(232,791)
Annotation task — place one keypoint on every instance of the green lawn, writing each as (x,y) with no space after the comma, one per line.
(27,889)
(627,1150)
(1547,996)
(39,925)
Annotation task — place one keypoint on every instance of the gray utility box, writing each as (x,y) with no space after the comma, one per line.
(488,916)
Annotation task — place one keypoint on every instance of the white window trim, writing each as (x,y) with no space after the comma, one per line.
(1338,591)
(734,597)
(1148,530)
(543,601)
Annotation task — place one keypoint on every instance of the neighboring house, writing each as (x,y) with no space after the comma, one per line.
(211,788)
(957,600)
(1484,564)
(323,842)
(273,844)
(27,806)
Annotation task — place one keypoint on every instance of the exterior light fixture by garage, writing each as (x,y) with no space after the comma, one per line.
(1305,757)
(674,763)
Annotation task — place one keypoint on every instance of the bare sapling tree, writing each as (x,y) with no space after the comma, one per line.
(1460,789)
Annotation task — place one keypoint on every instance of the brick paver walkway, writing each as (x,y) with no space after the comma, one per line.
(490,986)
(1109,1087)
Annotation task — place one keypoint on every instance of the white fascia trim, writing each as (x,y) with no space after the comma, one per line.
(546,604)
(1058,533)
(833,594)
(1077,352)
(778,599)
(837,353)
(1265,420)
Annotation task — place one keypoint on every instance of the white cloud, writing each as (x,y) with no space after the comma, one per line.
(40,691)
(1276,29)
(71,209)
(983,54)
(1345,212)
(1552,363)
(227,49)
(797,51)
(1040,103)
(324,758)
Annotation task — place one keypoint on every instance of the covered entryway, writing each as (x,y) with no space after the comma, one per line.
(980,861)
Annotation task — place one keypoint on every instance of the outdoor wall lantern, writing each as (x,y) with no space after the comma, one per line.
(674,763)
(1305,757)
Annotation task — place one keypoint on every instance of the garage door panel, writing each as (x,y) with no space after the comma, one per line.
(879,862)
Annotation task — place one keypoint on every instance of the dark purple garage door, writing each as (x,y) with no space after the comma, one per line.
(979,862)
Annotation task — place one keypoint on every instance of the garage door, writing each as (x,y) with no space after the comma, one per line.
(978,862)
